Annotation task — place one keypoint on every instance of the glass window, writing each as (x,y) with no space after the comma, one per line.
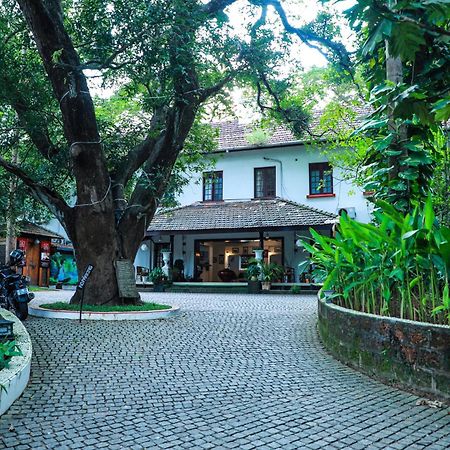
(213,186)
(320,178)
(265,182)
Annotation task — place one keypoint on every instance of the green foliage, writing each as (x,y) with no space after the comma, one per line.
(271,271)
(295,290)
(104,308)
(8,349)
(402,151)
(253,270)
(258,136)
(399,267)
(157,276)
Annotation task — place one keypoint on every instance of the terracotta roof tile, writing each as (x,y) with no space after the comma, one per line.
(233,135)
(252,215)
(37,230)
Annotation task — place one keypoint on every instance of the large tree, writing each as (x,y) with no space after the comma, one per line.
(171,57)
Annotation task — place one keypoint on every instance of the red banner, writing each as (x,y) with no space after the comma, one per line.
(22,243)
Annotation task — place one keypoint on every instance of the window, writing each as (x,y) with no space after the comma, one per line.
(265,182)
(320,179)
(213,186)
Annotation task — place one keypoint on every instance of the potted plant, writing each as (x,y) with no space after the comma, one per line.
(270,272)
(253,274)
(158,278)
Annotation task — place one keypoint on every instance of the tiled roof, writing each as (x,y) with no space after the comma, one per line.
(251,214)
(37,230)
(233,135)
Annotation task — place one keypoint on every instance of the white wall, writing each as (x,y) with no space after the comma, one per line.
(292,179)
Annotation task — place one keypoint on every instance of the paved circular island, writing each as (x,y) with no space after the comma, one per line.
(35,309)
(232,371)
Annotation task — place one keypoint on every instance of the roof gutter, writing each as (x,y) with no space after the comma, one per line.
(281,171)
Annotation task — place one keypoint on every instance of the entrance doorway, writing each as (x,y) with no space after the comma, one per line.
(214,256)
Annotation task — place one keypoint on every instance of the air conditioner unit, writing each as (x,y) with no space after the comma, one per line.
(349,210)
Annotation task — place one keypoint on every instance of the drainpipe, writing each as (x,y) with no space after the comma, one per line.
(281,172)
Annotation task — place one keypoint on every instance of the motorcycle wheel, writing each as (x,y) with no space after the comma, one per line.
(21,310)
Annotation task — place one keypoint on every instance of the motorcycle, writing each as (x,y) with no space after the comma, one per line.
(14,294)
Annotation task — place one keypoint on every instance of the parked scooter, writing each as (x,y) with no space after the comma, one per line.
(14,294)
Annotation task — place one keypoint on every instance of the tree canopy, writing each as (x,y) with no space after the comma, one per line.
(165,61)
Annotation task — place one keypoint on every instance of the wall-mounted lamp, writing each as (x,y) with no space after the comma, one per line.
(144,247)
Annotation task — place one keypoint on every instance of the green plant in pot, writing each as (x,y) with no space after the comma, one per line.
(253,274)
(270,272)
(159,279)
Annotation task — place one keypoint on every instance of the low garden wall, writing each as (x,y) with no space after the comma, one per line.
(14,379)
(411,355)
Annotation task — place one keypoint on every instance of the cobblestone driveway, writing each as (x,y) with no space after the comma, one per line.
(232,371)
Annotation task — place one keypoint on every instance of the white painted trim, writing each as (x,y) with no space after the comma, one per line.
(36,310)
(15,378)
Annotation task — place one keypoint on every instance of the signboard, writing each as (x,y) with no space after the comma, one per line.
(85,277)
(126,280)
(45,254)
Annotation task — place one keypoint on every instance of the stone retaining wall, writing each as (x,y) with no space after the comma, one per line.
(412,355)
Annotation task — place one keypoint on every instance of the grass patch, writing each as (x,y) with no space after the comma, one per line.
(105,308)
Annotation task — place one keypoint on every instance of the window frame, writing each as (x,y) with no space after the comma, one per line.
(266,169)
(213,174)
(322,167)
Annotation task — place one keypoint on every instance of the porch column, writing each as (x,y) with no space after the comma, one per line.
(172,249)
(261,239)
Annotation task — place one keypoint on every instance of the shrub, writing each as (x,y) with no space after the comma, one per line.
(271,271)
(253,270)
(157,276)
(399,267)
(8,349)
(295,289)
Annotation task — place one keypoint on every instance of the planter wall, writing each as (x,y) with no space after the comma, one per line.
(411,355)
(15,378)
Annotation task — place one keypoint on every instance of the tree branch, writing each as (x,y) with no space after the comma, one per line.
(38,135)
(146,151)
(215,6)
(312,39)
(205,93)
(45,20)
(51,199)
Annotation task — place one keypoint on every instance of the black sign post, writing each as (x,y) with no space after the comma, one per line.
(82,283)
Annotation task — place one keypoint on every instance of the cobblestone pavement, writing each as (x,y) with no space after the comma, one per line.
(232,371)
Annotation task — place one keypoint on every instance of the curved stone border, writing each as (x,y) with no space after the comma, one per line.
(15,378)
(36,310)
(411,355)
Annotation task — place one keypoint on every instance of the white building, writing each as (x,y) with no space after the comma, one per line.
(265,195)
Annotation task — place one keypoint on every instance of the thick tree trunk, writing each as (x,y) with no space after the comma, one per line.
(96,241)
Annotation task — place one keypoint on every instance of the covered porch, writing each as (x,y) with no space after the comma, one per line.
(207,238)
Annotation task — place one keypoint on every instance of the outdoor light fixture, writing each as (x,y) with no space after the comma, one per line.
(144,247)
(6,329)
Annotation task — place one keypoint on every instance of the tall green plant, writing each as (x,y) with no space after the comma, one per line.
(399,267)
